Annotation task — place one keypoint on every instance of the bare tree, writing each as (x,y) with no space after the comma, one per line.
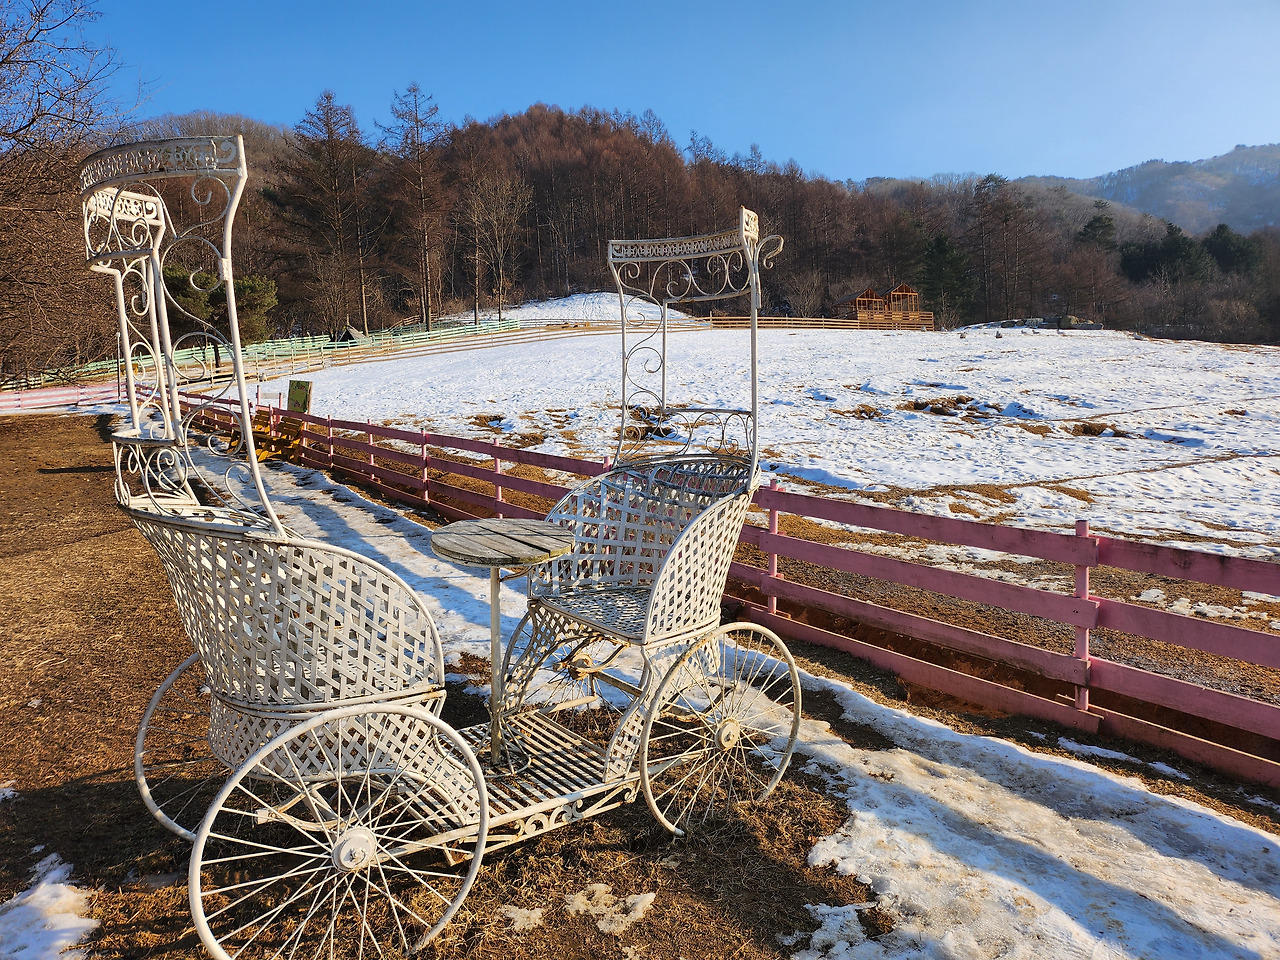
(51,98)
(414,134)
(494,207)
(51,78)
(324,196)
(805,291)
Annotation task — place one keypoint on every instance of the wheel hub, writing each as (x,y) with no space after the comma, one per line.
(355,849)
(728,733)
(579,665)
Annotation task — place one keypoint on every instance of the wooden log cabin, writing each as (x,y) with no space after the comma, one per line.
(898,309)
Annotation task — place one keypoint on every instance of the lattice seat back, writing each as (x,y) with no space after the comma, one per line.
(285,624)
(627,520)
(688,589)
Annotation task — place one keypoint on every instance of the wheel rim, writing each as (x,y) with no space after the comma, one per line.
(339,838)
(177,773)
(721,728)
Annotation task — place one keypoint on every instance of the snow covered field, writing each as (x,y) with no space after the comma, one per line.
(977,847)
(580,308)
(1162,440)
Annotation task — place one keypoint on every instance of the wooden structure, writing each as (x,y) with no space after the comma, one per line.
(896,309)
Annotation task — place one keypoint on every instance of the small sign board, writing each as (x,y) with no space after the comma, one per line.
(300,396)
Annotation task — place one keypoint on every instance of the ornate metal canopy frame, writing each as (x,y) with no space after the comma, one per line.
(131,235)
(715,266)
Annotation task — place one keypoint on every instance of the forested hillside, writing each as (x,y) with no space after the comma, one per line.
(350,225)
(1240,189)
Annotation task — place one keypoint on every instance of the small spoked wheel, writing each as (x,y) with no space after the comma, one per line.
(721,727)
(177,773)
(357,833)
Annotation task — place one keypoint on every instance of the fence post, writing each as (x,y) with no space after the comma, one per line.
(1082,633)
(497,483)
(426,460)
(773,557)
(328,441)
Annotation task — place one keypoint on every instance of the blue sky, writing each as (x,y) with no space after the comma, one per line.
(848,90)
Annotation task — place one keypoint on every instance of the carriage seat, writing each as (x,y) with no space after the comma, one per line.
(288,628)
(654,541)
(617,612)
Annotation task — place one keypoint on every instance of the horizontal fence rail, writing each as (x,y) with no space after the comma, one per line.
(52,398)
(462,478)
(900,321)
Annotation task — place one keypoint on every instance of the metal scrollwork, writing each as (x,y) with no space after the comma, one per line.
(671,271)
(176,380)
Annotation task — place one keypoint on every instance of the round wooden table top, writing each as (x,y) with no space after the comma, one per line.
(501,543)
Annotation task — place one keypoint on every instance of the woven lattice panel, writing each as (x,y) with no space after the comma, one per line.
(620,611)
(687,591)
(294,626)
(626,521)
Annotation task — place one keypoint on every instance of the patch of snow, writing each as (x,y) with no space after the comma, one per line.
(1089,750)
(979,848)
(840,930)
(520,918)
(581,307)
(613,914)
(1169,771)
(1216,611)
(45,921)
(1021,411)
(7,791)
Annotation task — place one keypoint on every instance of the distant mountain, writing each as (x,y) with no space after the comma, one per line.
(1240,188)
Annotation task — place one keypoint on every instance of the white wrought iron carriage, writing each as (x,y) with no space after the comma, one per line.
(300,746)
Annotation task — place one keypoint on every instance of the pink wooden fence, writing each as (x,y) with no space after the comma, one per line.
(350,449)
(51,398)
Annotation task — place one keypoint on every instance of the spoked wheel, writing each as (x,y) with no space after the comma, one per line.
(177,773)
(357,834)
(721,728)
(565,676)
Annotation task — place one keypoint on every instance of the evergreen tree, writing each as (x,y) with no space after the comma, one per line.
(1231,251)
(1174,257)
(947,282)
(1100,231)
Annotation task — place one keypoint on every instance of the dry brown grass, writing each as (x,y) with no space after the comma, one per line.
(863,411)
(1095,428)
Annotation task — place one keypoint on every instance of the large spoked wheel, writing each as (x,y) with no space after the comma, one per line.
(721,728)
(177,773)
(357,833)
(567,676)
